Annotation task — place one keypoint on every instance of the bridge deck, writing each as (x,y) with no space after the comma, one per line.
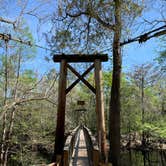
(80,155)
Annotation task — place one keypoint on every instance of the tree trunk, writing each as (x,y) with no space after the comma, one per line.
(114,155)
(143,109)
(9,135)
(3,144)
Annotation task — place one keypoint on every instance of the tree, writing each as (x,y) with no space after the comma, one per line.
(143,77)
(19,86)
(162,56)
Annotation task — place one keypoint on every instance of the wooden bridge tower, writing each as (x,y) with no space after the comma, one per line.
(64,61)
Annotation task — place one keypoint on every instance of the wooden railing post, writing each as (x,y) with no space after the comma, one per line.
(100,110)
(60,128)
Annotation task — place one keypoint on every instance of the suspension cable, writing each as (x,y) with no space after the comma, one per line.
(4,36)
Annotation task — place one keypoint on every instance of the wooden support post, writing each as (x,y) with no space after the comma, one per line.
(60,128)
(96,157)
(100,110)
(66,158)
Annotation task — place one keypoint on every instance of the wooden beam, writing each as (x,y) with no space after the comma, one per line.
(60,128)
(76,58)
(78,80)
(82,79)
(100,110)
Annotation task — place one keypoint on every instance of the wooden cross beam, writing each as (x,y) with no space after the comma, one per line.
(77,58)
(77,81)
(81,78)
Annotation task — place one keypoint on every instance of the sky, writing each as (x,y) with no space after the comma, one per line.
(133,54)
(137,54)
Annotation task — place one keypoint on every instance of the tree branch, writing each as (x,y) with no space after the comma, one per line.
(77,14)
(105,24)
(52,85)
(95,16)
(8,22)
(21,101)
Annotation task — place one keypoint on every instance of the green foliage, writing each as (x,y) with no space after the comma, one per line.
(131,116)
(156,129)
(63,38)
(87,24)
(162,55)
(28,77)
(33,135)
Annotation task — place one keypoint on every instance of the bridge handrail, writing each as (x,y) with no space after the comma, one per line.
(69,146)
(93,148)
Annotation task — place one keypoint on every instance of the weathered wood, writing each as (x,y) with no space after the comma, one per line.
(96,157)
(100,109)
(82,78)
(80,102)
(66,158)
(69,146)
(76,58)
(60,128)
(78,80)
(81,110)
(57,163)
(80,153)
(93,148)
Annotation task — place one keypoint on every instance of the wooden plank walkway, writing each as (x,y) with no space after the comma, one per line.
(80,154)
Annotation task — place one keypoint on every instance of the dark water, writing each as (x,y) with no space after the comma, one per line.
(143,158)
